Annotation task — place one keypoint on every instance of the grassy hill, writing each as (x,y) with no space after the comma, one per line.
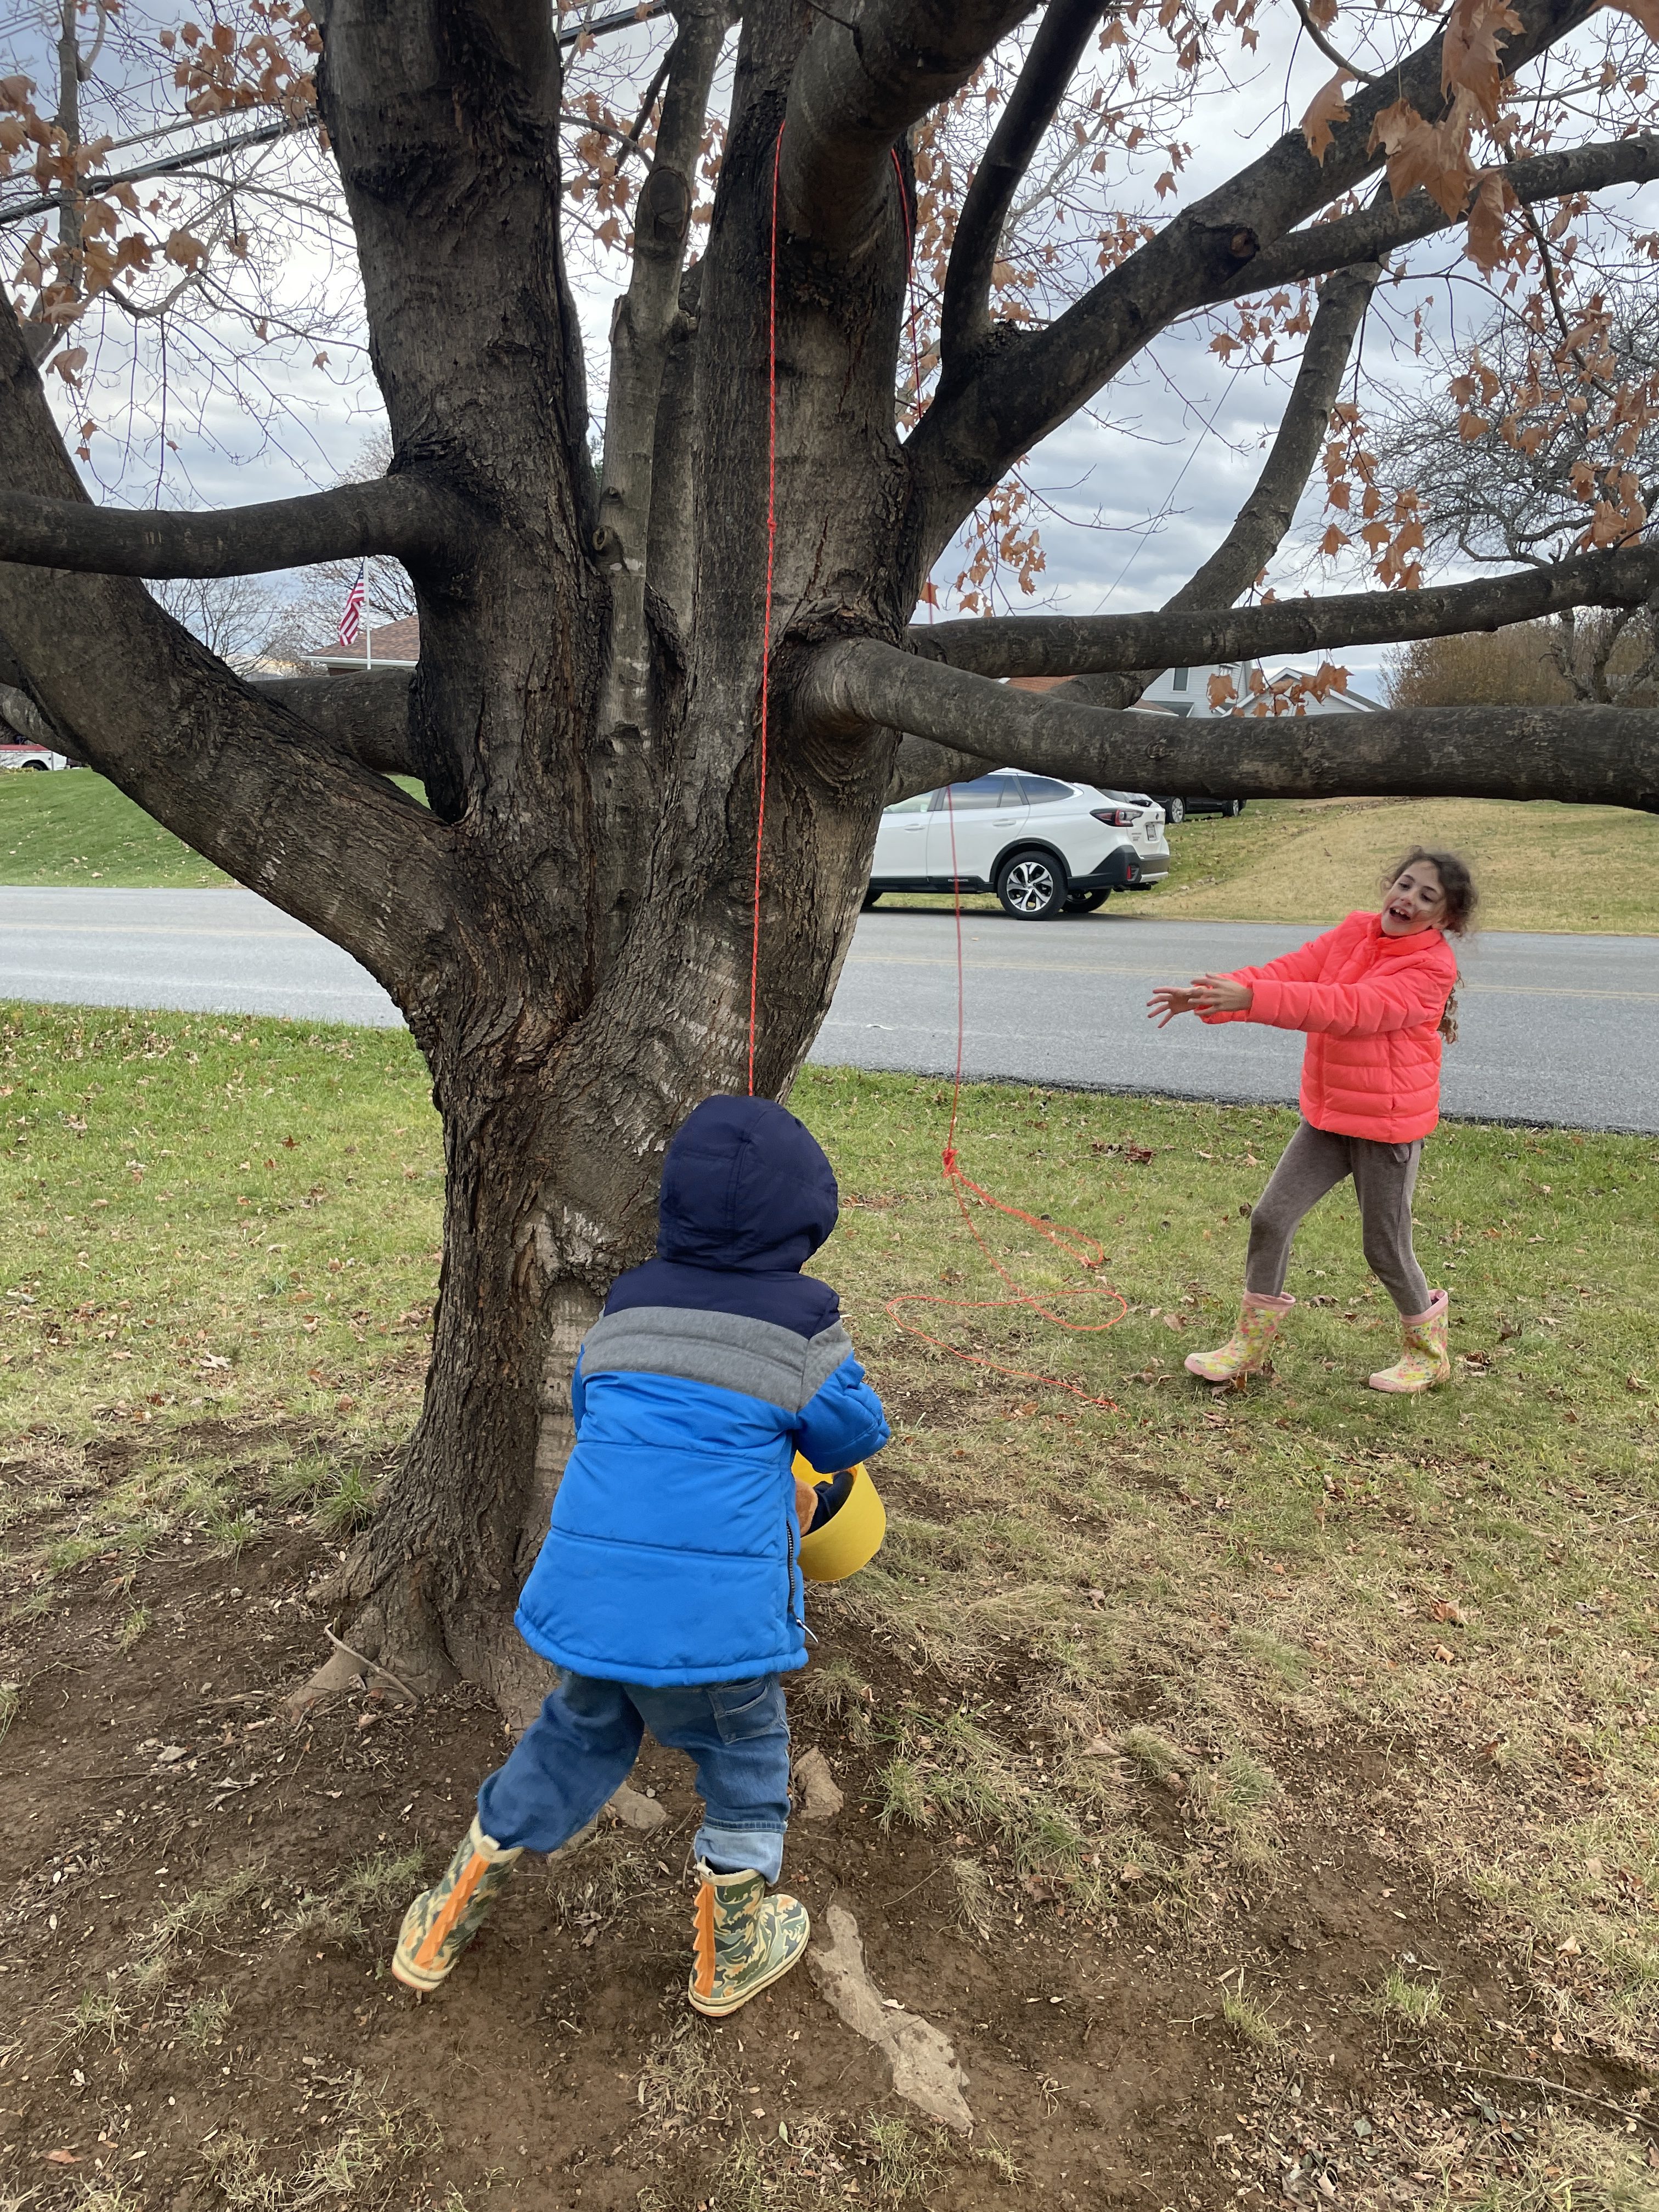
(1538,867)
(75,828)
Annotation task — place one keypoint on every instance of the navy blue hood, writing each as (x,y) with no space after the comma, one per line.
(745,1185)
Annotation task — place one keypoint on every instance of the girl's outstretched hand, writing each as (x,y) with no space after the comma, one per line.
(1205,994)
(1169,1000)
(1220,995)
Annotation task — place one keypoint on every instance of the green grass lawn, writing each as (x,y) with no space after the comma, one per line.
(222,1246)
(73,827)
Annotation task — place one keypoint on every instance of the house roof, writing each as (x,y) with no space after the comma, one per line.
(392,643)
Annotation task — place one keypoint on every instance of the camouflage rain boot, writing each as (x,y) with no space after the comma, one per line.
(1425,1361)
(1247,1348)
(745,1939)
(443,1920)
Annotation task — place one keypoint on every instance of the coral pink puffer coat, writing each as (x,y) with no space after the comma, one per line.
(1371,1006)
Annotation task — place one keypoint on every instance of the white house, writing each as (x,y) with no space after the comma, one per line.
(1186,691)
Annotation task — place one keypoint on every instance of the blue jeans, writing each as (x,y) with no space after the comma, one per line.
(581,1747)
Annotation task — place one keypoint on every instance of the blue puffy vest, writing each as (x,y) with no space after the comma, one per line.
(669,1556)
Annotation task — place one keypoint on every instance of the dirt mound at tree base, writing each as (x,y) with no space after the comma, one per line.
(198,2013)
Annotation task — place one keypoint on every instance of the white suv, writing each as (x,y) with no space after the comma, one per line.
(1043,847)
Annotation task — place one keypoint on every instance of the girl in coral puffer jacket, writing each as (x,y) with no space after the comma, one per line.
(1375,995)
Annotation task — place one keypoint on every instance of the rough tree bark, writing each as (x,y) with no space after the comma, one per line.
(568,929)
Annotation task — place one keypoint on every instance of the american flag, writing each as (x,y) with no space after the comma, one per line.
(352,618)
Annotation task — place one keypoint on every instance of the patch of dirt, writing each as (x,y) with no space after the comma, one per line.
(195,2006)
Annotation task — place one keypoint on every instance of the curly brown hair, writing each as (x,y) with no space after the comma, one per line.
(1458,919)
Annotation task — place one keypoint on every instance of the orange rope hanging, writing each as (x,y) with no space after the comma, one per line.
(1084,1250)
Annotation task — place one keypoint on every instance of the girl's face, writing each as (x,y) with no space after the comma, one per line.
(1415,900)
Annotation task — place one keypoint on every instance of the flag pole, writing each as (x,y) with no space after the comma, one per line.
(368,621)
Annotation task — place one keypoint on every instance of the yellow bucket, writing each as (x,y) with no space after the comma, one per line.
(852,1538)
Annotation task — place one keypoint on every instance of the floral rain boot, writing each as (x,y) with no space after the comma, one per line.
(745,1939)
(1247,1348)
(1425,1361)
(443,1920)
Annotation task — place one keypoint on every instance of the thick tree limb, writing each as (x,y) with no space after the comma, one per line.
(857,87)
(1395,223)
(366,715)
(1031,107)
(246,784)
(24,720)
(444,118)
(1019,391)
(390,514)
(920,765)
(1080,645)
(1599,756)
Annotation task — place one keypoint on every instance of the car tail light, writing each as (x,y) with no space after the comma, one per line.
(1119,817)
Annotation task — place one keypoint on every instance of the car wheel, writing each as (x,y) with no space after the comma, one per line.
(1233,808)
(1175,809)
(39,767)
(869,899)
(1087,901)
(1032,887)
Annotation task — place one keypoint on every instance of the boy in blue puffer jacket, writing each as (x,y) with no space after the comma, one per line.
(668,1591)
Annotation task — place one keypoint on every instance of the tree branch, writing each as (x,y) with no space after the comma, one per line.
(247,785)
(366,716)
(1018,393)
(638,351)
(1337,60)
(1081,644)
(857,89)
(1394,223)
(920,765)
(1262,523)
(1594,756)
(398,515)
(965,319)
(444,119)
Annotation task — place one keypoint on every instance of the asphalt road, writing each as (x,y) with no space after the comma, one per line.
(1554,1029)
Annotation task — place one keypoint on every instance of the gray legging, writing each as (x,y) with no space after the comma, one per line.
(1315,1161)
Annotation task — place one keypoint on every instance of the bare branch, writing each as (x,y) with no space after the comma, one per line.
(1032,105)
(1393,223)
(1068,645)
(166,165)
(1018,393)
(1594,756)
(1337,60)
(620,19)
(366,715)
(857,89)
(392,514)
(1262,523)
(1259,527)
